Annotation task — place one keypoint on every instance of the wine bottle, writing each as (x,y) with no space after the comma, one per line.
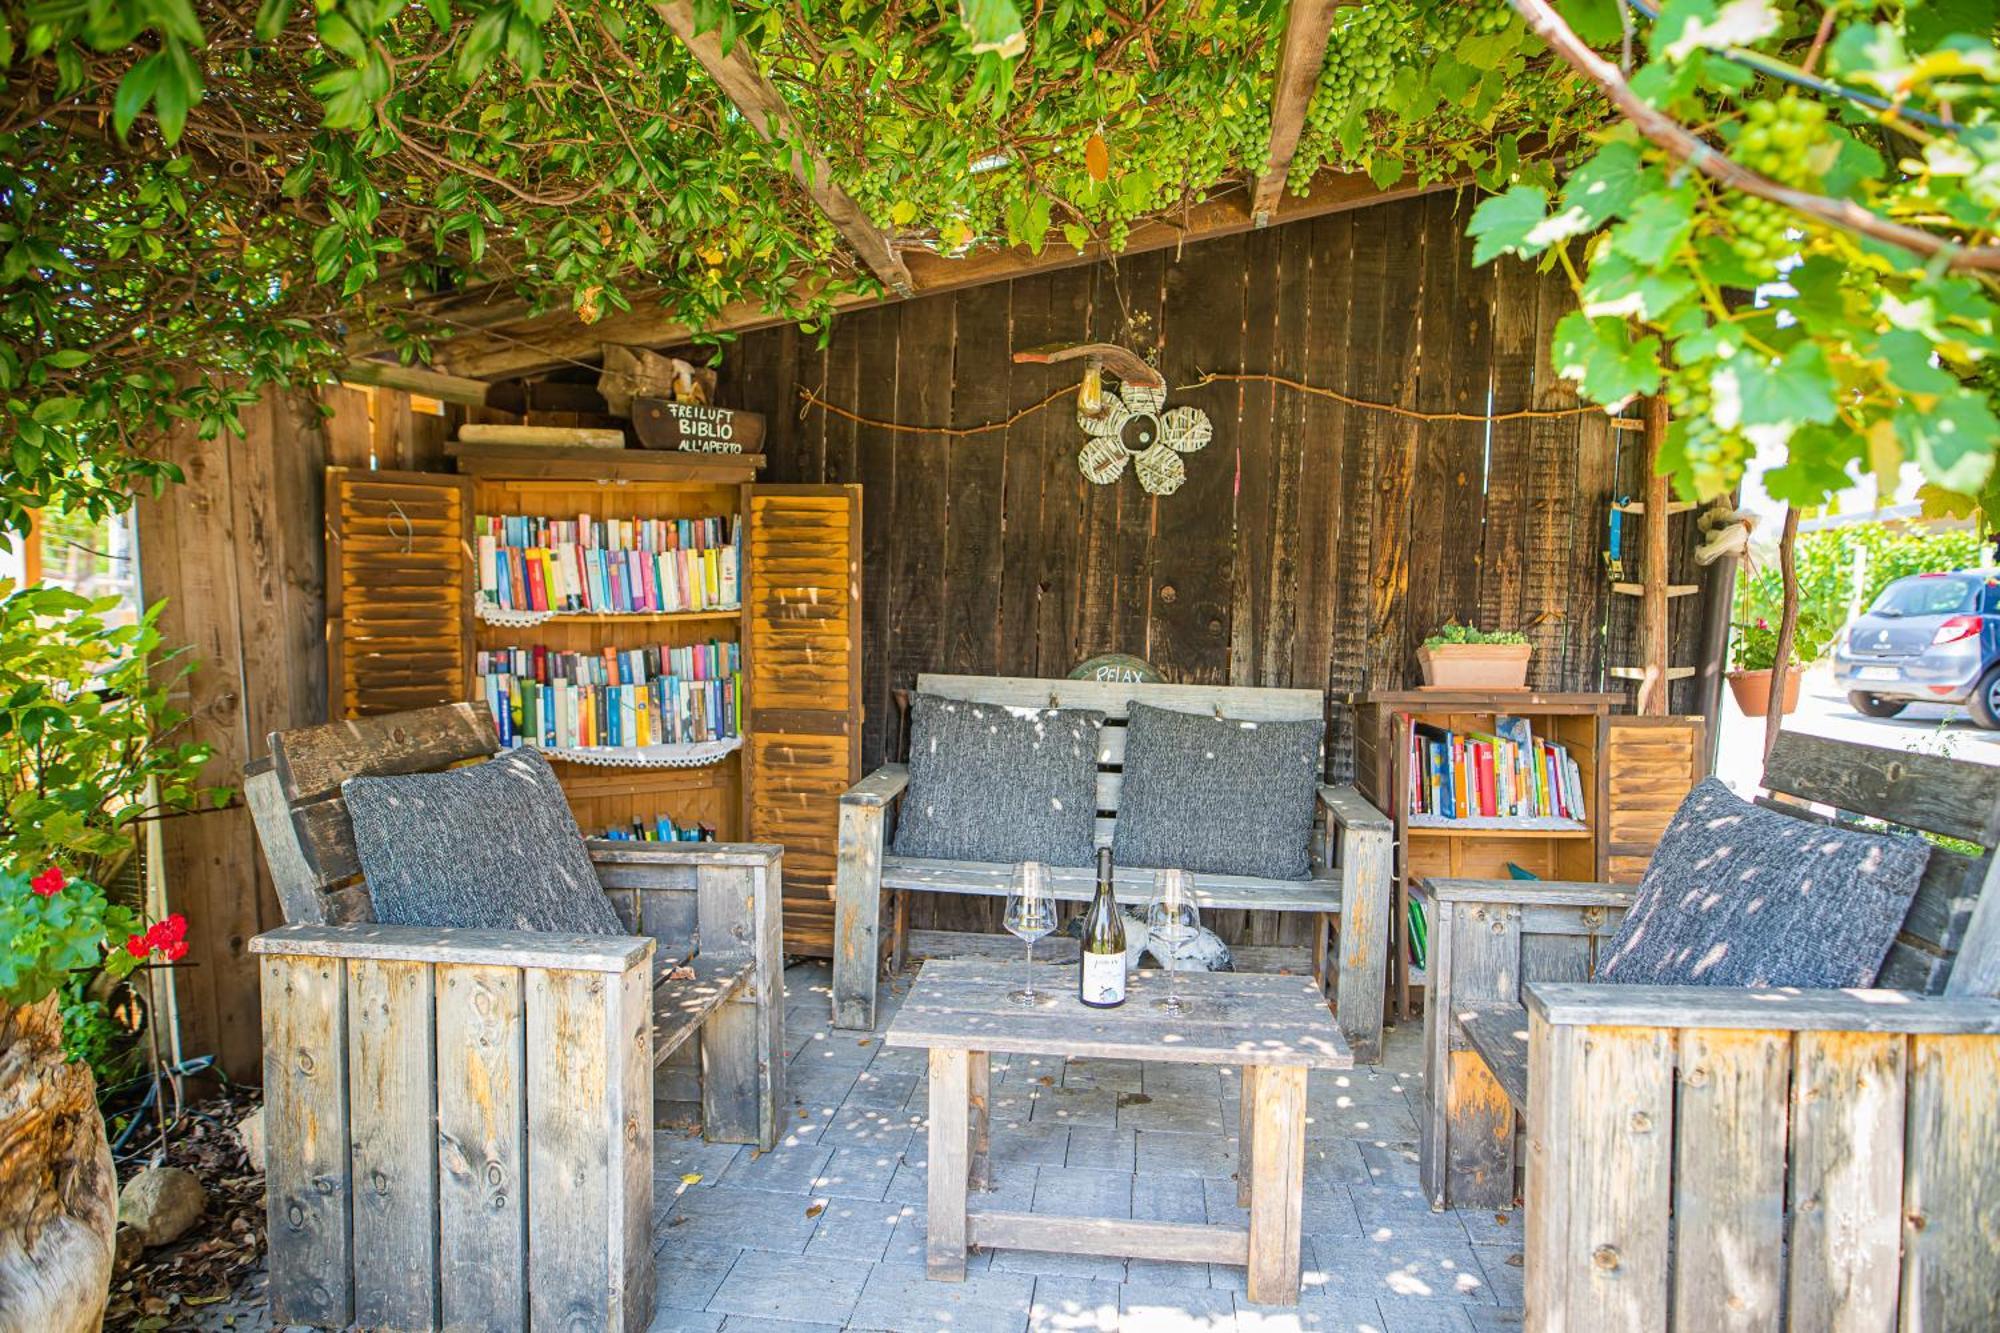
(1101,980)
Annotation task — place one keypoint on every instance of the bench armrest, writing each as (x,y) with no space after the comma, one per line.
(879,788)
(1583,1004)
(1347,808)
(1525,892)
(444,945)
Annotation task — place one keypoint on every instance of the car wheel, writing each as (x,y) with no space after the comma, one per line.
(1874,705)
(1984,705)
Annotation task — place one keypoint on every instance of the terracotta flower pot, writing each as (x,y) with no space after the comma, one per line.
(1475,666)
(1753,690)
(58,1193)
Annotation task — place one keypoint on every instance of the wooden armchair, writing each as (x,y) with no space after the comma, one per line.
(461,1122)
(1734,1157)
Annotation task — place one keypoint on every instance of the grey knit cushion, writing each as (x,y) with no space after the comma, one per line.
(991,783)
(492,846)
(1217,795)
(1738,895)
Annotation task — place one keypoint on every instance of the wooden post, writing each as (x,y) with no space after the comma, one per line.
(949,1169)
(1277,1180)
(1653,571)
(979,1096)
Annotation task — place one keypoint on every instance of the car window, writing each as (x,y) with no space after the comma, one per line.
(1927,597)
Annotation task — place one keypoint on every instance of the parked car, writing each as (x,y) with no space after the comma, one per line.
(1928,638)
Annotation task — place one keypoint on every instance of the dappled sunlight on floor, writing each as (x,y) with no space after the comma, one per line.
(827,1230)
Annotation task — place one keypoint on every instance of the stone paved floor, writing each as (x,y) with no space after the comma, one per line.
(827,1231)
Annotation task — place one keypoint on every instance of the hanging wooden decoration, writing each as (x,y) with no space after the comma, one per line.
(1133,425)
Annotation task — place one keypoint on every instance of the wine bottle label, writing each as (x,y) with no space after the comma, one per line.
(1104,978)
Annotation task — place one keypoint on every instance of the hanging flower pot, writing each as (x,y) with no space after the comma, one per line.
(1753,691)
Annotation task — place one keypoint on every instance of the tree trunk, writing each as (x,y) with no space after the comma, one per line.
(58,1193)
(1788,619)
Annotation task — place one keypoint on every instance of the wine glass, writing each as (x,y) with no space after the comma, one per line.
(1174,920)
(1031,914)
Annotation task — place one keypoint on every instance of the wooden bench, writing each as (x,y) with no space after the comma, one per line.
(1347,895)
(461,1122)
(1773,1150)
(1491,938)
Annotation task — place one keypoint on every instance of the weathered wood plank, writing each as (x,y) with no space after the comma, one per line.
(307,1176)
(879,788)
(312,762)
(1230,1018)
(1364,853)
(482,1148)
(392,1048)
(1846,1187)
(1932,792)
(1479,1115)
(1115,698)
(1322,893)
(857,903)
(1780,1010)
(949,1170)
(1499,1036)
(1615,1166)
(589,1148)
(1178,1242)
(1730,1131)
(1951,1213)
(442,944)
(1277,1179)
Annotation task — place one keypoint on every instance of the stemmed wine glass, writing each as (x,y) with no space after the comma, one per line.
(1031,914)
(1173,919)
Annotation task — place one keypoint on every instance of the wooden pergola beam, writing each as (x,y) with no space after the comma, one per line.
(1307,29)
(745,85)
(500,347)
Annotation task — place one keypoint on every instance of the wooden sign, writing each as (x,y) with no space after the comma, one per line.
(695,427)
(1120,668)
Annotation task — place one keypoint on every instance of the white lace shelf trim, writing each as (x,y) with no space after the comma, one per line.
(696,754)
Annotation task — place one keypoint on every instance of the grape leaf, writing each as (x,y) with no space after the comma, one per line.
(1953,440)
(1605,186)
(1656,226)
(1617,286)
(1794,389)
(1601,357)
(1685,26)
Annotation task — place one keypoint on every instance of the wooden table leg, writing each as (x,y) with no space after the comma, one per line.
(1245,1132)
(979,1081)
(944,1245)
(1277,1180)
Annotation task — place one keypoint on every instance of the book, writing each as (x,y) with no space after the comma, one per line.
(609,566)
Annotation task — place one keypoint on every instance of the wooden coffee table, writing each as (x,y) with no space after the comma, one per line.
(1275,1027)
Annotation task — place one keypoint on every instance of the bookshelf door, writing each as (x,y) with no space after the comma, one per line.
(399,590)
(1646,765)
(802,672)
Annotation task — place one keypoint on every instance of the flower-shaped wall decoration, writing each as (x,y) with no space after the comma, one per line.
(1131,427)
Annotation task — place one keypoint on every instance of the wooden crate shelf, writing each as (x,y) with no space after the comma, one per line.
(403,633)
(1623,815)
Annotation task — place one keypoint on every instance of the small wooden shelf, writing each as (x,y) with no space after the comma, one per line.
(623,617)
(1639,507)
(1489,826)
(1673,589)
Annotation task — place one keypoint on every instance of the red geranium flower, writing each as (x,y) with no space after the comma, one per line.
(49,883)
(138,946)
(174,950)
(175,927)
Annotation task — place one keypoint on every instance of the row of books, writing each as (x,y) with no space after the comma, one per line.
(1506,773)
(609,566)
(662,829)
(640,696)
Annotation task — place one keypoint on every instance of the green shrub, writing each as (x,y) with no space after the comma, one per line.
(1839,568)
(1453,632)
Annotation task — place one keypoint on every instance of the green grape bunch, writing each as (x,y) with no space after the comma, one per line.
(1361,58)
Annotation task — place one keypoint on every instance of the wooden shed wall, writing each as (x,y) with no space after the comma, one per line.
(1313,544)
(238,553)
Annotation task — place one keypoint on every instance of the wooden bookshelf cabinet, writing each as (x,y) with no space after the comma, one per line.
(402,633)
(1635,770)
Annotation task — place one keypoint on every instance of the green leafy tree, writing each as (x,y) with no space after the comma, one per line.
(87,736)
(1842,162)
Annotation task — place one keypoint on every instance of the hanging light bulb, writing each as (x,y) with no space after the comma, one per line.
(1090,398)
